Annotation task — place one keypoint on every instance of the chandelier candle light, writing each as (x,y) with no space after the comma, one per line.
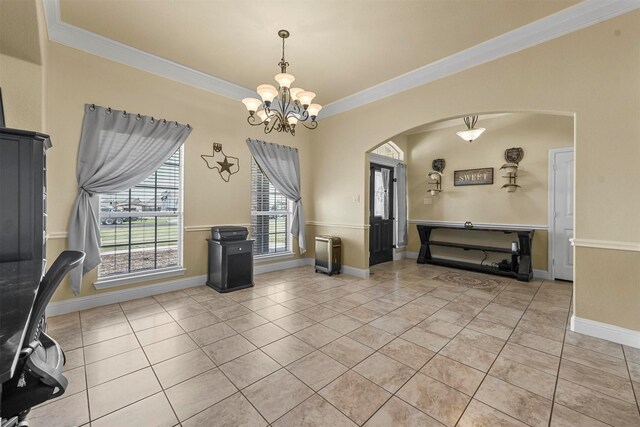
(471,133)
(282,109)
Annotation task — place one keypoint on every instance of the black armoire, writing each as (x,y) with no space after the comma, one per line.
(23,222)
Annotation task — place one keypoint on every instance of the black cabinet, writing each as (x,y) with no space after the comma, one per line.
(22,235)
(230,265)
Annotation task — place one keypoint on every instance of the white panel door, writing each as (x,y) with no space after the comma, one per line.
(563,215)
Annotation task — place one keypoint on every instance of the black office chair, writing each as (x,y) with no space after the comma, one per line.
(38,376)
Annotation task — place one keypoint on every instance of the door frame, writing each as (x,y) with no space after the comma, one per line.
(392,163)
(551,221)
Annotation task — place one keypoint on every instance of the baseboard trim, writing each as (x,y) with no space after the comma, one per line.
(57,308)
(282,265)
(606,331)
(541,274)
(362,273)
(92,301)
(411,255)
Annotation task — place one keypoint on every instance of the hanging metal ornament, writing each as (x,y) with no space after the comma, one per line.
(438,165)
(225,165)
(514,155)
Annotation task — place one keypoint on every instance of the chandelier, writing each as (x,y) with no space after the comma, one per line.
(283,108)
(471,133)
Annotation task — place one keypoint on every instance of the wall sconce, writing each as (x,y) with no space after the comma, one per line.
(436,176)
(513,156)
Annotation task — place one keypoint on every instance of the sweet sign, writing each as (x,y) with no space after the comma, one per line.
(473,177)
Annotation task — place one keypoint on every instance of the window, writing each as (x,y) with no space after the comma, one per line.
(141,228)
(389,149)
(270,216)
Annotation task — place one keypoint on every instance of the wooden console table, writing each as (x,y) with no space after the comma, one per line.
(519,268)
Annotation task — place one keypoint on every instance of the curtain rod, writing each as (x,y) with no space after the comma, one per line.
(92,107)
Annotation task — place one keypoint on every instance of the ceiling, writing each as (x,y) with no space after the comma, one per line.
(336,48)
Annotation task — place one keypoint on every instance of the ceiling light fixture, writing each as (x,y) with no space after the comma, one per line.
(282,109)
(471,133)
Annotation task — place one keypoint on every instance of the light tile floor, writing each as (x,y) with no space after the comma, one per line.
(414,345)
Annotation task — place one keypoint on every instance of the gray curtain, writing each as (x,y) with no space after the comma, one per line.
(117,151)
(401,204)
(281,165)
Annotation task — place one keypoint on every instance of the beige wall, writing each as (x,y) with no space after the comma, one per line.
(591,73)
(535,133)
(19,31)
(75,78)
(21,84)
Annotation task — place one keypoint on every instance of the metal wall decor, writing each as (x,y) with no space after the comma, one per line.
(513,155)
(225,165)
(436,176)
(438,165)
(482,176)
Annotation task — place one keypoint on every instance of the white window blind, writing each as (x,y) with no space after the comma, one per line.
(141,228)
(270,216)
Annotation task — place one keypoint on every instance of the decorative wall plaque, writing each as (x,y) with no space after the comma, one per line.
(482,176)
(225,165)
(438,165)
(513,155)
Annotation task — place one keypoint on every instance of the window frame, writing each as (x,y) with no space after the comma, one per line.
(390,146)
(289,214)
(120,279)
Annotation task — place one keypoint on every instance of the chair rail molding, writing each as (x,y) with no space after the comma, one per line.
(328,224)
(606,244)
(566,21)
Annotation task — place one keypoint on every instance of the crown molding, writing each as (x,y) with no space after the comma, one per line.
(95,44)
(574,18)
(579,16)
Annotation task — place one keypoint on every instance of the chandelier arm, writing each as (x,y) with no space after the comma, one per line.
(312,125)
(254,120)
(268,126)
(304,115)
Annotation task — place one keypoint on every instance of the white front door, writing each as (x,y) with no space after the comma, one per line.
(563,208)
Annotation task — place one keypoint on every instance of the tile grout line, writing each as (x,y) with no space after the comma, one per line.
(633,389)
(438,352)
(362,288)
(555,387)
(486,374)
(153,370)
(435,353)
(84,364)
